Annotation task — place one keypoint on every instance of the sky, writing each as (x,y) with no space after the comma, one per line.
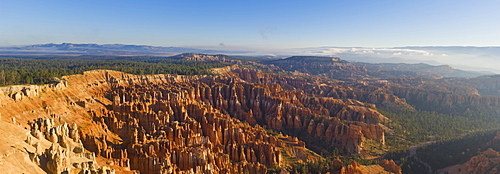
(254,24)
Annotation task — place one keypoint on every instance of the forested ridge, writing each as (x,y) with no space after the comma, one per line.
(447,153)
(44,69)
(418,125)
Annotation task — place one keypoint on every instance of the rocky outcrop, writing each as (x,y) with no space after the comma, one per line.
(66,153)
(390,166)
(18,92)
(384,167)
(353,168)
(486,162)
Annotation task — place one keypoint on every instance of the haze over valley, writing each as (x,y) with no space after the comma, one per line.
(472,58)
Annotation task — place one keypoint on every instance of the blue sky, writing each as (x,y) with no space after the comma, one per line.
(254,24)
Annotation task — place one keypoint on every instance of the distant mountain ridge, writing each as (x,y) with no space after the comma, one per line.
(336,67)
(104,49)
(440,70)
(317,65)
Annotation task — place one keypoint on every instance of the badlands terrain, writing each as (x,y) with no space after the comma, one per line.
(295,115)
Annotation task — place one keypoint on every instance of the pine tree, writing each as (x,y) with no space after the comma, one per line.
(2,77)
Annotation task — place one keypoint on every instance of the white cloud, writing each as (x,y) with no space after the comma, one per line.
(337,50)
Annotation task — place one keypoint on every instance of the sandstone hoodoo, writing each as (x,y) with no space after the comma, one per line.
(243,121)
(206,114)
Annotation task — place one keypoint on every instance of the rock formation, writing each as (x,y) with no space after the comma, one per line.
(66,153)
(384,167)
(390,166)
(242,121)
(486,162)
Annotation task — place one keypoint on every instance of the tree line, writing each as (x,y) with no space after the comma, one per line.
(43,70)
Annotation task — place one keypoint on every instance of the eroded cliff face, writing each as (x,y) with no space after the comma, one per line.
(243,121)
